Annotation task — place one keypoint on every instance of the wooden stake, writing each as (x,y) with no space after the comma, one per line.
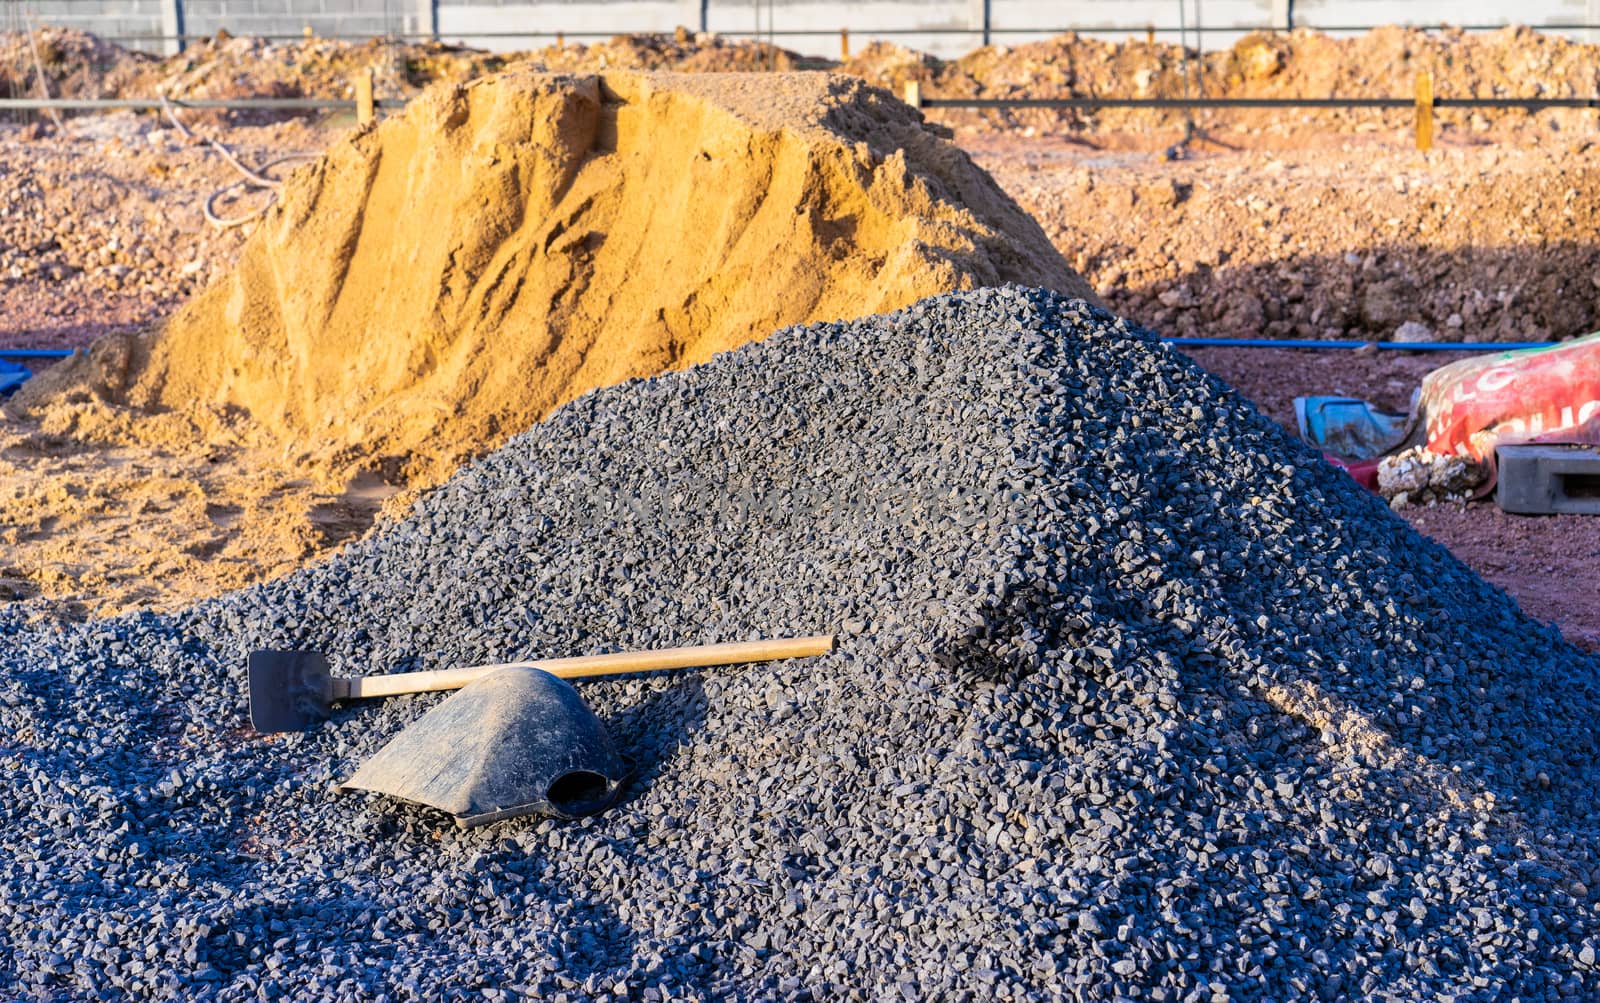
(914,93)
(1425,111)
(365,109)
(561,40)
(844,44)
(1150,34)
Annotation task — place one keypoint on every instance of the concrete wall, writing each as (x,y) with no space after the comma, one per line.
(122,18)
(141,23)
(944,27)
(269,17)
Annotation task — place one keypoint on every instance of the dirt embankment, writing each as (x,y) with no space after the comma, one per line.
(1512,62)
(444,280)
(1464,244)
(74,63)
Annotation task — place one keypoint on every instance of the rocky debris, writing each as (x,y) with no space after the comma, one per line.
(72,63)
(1135,699)
(1483,244)
(1511,62)
(78,64)
(1384,62)
(1413,331)
(1417,476)
(100,225)
(681,52)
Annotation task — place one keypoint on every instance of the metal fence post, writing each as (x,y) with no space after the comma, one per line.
(428,19)
(1282,15)
(171,27)
(979,17)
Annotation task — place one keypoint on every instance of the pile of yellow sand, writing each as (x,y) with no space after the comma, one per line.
(446,279)
(441,281)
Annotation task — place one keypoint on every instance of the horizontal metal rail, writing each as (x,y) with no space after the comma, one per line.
(1138,29)
(337,104)
(155,104)
(1097,102)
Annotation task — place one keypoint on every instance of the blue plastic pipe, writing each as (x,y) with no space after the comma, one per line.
(1393,346)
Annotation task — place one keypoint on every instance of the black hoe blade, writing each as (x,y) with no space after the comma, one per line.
(288,690)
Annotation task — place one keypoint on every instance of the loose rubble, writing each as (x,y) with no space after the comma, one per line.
(1418,476)
(1134,699)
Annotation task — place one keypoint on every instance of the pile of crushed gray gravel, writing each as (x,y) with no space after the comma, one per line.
(1134,700)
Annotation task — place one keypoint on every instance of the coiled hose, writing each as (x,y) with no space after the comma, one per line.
(249,177)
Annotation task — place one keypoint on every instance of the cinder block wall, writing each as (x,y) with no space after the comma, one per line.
(289,17)
(103,17)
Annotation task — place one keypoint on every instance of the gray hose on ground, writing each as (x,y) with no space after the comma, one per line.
(249,178)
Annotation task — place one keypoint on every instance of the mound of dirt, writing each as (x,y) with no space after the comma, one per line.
(76,63)
(446,279)
(67,63)
(682,52)
(1511,62)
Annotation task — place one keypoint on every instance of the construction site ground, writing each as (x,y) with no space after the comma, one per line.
(1329,227)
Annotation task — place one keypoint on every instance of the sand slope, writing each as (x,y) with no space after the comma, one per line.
(441,281)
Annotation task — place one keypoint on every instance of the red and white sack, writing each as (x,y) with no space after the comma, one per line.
(1533,395)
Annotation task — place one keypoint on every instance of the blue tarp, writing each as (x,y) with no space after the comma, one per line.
(1350,428)
(12,376)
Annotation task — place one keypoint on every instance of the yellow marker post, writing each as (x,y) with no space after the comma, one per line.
(914,93)
(366,109)
(1425,111)
(844,44)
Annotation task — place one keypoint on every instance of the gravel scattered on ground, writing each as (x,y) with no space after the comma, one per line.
(1132,699)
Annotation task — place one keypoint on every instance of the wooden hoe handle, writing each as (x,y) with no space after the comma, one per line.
(586,666)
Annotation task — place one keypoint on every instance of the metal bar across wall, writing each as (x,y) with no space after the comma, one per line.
(155,104)
(859,32)
(335,104)
(1092,102)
